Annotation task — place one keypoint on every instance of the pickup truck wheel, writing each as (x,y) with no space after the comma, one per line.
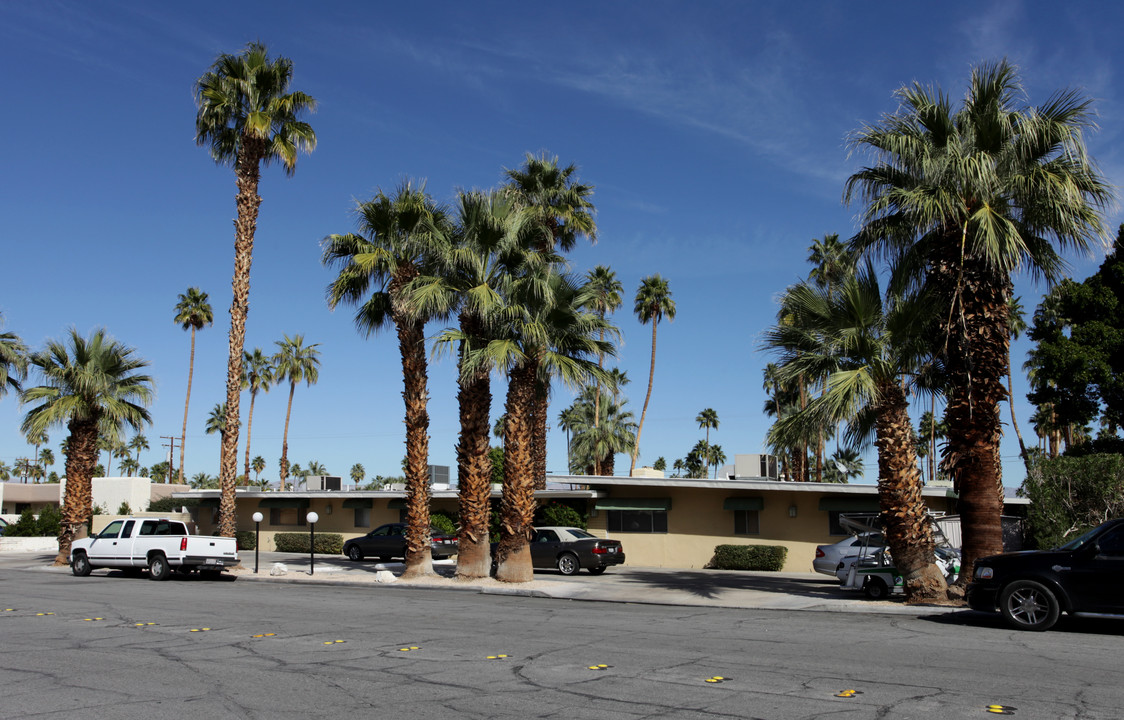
(158,567)
(568,564)
(355,553)
(875,589)
(597,570)
(1028,605)
(80,565)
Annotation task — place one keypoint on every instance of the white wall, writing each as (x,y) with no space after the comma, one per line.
(110,492)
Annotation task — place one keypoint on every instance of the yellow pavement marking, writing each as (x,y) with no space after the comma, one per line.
(408,649)
(497,657)
(9,609)
(330,642)
(1000,709)
(848,693)
(143,624)
(46,613)
(199,629)
(716,679)
(91,619)
(599,667)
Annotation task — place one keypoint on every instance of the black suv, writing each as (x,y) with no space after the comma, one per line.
(1083,577)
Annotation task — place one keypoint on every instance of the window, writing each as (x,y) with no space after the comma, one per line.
(546,536)
(833,526)
(1111,544)
(362,517)
(638,521)
(128,531)
(112,530)
(746,522)
(286,516)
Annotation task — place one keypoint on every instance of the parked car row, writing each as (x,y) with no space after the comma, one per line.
(568,549)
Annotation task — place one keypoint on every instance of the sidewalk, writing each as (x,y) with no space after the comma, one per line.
(650,585)
(622,584)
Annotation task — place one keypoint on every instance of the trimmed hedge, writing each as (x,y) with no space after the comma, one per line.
(326,543)
(749,557)
(247,540)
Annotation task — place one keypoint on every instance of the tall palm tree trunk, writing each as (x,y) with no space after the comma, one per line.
(903,512)
(540,421)
(647,397)
(978,350)
(284,468)
(513,556)
(249,430)
(77,504)
(474,469)
(411,343)
(247,172)
(187,402)
(1015,420)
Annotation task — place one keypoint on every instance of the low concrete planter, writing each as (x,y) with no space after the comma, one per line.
(29,544)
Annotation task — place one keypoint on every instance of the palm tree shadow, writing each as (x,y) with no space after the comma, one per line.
(711,585)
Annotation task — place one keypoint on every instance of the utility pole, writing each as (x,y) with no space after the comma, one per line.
(171,445)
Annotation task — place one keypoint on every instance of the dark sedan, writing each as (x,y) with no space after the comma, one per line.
(1031,589)
(389,541)
(570,549)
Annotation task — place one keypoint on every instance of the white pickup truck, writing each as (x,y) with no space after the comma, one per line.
(159,544)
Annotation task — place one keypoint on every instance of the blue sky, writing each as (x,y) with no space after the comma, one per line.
(715,134)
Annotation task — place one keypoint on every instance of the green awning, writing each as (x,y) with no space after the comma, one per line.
(849,504)
(397,504)
(283,503)
(209,502)
(743,503)
(633,504)
(358,503)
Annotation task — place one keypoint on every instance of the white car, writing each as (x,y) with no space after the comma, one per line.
(828,556)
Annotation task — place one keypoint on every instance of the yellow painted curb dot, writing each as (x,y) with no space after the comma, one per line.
(257,636)
(270,634)
(194,630)
(205,629)
(712,680)
(329,643)
(415,647)
(339,641)
(9,609)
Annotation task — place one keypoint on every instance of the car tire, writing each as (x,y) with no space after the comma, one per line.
(568,563)
(354,553)
(875,588)
(158,567)
(80,565)
(1028,605)
(597,570)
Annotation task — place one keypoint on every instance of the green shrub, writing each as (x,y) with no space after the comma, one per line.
(171,504)
(749,557)
(326,543)
(25,526)
(443,521)
(561,515)
(124,509)
(1069,495)
(49,519)
(248,540)
(46,525)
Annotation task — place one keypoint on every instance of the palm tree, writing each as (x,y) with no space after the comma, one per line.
(258,464)
(715,456)
(561,211)
(549,332)
(316,468)
(5,471)
(485,247)
(606,291)
(1016,323)
(46,458)
(398,241)
(216,421)
(90,385)
(193,312)
(844,464)
(708,419)
(13,361)
(358,472)
(257,376)
(960,199)
(867,348)
(653,303)
(595,444)
(249,118)
(137,445)
(36,439)
(294,362)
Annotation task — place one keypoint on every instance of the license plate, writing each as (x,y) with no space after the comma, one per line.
(212,561)
(612,550)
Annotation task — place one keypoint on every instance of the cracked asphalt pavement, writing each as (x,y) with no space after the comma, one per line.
(119,647)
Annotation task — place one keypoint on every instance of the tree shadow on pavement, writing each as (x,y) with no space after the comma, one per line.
(712,584)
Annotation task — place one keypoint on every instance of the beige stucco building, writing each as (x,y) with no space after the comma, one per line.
(662,522)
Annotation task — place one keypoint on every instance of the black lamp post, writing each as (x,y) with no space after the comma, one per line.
(257,539)
(312,518)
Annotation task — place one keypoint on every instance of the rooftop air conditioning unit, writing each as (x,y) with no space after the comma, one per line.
(756,466)
(323,482)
